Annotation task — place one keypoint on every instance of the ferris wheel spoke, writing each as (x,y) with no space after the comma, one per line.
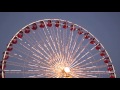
(86,53)
(20,65)
(59,42)
(51,38)
(28,39)
(60,39)
(46,58)
(43,51)
(39,46)
(67,50)
(20,72)
(93,72)
(62,45)
(82,51)
(69,54)
(74,43)
(31,76)
(65,42)
(56,40)
(71,39)
(33,45)
(36,76)
(96,61)
(40,76)
(36,67)
(19,58)
(76,63)
(44,43)
(27,65)
(87,76)
(48,41)
(29,49)
(63,39)
(26,53)
(44,75)
(28,58)
(72,48)
(82,75)
(34,37)
(94,67)
(50,75)
(77,48)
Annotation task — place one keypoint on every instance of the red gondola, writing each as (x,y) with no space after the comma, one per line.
(72,27)
(110,68)
(112,75)
(86,35)
(6,56)
(80,31)
(27,30)
(34,26)
(20,34)
(65,25)
(102,53)
(49,23)
(10,48)
(42,25)
(98,47)
(14,41)
(106,60)
(92,40)
(57,23)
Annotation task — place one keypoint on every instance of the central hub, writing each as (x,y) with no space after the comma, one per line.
(67,69)
(60,67)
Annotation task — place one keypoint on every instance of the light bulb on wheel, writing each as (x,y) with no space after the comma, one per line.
(67,69)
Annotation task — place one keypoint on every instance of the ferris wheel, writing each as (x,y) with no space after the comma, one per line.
(55,48)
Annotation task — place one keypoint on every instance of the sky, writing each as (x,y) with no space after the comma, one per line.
(104,25)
